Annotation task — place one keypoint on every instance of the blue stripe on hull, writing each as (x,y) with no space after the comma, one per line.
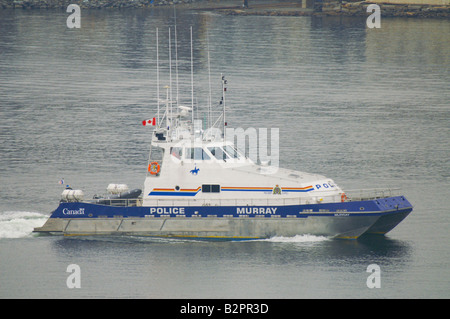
(345,209)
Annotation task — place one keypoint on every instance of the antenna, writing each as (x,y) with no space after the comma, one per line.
(157,74)
(168,123)
(170,81)
(224,89)
(209,73)
(192,80)
(176,51)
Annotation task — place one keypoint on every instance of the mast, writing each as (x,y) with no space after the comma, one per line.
(176,52)
(209,77)
(157,76)
(192,82)
(169,97)
(224,89)
(168,122)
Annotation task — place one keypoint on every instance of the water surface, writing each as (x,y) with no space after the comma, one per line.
(366,107)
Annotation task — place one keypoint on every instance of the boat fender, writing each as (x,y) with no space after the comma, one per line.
(154,168)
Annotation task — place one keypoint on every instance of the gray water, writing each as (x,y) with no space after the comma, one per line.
(366,107)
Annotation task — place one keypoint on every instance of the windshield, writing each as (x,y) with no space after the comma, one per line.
(231,151)
(218,153)
(196,153)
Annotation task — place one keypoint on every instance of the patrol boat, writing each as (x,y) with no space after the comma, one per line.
(200,185)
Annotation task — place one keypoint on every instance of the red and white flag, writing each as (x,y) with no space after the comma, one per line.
(149,122)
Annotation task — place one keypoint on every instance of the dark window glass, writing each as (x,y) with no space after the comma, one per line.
(206,188)
(196,153)
(218,153)
(176,152)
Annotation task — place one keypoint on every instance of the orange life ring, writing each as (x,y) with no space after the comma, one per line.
(154,168)
(343,197)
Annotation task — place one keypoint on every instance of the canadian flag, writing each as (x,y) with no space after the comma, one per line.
(149,122)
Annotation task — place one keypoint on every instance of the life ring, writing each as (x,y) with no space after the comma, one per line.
(343,197)
(154,168)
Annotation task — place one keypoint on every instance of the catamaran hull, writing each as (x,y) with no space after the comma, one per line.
(387,222)
(339,220)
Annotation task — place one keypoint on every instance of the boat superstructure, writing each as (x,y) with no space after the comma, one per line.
(198,184)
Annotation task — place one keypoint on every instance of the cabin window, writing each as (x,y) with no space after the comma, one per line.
(196,153)
(218,153)
(156,158)
(208,188)
(176,152)
(231,151)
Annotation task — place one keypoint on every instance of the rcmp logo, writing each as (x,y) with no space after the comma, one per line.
(195,170)
(276,190)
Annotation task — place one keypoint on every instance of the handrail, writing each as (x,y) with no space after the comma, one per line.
(352,195)
(122,202)
(373,193)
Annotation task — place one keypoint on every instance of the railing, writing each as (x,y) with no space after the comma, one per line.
(121,202)
(351,196)
(369,194)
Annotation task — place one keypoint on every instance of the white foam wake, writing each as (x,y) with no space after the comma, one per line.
(297,239)
(20,224)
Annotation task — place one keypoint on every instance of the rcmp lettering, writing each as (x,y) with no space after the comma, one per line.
(324,185)
(167,210)
(256,210)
